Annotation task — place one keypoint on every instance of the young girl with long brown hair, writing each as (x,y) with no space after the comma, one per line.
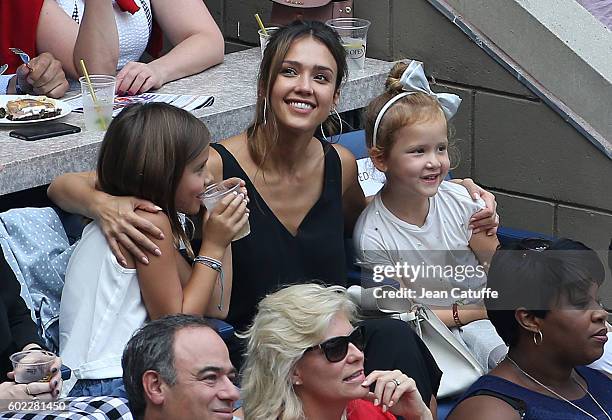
(159,153)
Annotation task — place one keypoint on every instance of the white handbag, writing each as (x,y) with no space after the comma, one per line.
(459,368)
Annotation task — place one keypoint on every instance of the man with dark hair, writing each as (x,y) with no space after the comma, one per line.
(177,367)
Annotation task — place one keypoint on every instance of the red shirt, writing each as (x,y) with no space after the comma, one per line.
(365,410)
(18,23)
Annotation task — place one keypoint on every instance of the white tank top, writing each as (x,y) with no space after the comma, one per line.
(101,308)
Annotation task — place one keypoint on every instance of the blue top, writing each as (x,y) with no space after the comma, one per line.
(539,406)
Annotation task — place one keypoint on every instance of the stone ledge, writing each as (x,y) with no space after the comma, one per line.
(25,165)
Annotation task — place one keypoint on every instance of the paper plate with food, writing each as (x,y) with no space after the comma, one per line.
(24,109)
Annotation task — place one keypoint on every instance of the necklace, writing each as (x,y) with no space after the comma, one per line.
(561,397)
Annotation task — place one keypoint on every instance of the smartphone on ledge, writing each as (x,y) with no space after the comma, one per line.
(44,131)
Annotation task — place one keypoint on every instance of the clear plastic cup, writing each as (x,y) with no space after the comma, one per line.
(263,38)
(215,193)
(98,113)
(354,35)
(32,366)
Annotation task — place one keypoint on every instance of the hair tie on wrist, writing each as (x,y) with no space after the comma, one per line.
(216,265)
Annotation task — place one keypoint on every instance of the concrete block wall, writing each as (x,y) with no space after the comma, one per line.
(547,177)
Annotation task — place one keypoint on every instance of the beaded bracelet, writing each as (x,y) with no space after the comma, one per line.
(216,265)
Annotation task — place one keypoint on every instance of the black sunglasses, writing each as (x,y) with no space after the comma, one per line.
(336,348)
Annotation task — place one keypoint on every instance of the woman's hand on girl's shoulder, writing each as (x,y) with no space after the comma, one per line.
(486,219)
(122,227)
(127,230)
(483,407)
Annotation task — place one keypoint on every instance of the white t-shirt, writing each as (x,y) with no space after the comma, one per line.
(381,238)
(133,30)
(101,308)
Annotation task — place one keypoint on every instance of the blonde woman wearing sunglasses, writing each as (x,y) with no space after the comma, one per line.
(305,361)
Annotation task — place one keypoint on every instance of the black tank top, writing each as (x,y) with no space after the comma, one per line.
(270,256)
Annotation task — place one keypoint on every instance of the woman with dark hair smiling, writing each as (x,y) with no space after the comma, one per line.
(558,326)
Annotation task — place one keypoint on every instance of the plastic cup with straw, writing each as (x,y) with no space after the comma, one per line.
(264,33)
(98,93)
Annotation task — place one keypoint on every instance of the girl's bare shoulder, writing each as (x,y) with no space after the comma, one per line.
(159,219)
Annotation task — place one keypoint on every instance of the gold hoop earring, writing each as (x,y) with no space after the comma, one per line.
(535,341)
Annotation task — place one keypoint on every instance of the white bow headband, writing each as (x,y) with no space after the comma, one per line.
(413,80)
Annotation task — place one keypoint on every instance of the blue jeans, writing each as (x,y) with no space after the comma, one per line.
(97,387)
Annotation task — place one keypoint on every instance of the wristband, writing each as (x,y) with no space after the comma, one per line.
(216,265)
(456,315)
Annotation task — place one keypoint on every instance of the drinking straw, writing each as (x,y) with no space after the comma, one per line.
(89,85)
(100,121)
(261,25)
